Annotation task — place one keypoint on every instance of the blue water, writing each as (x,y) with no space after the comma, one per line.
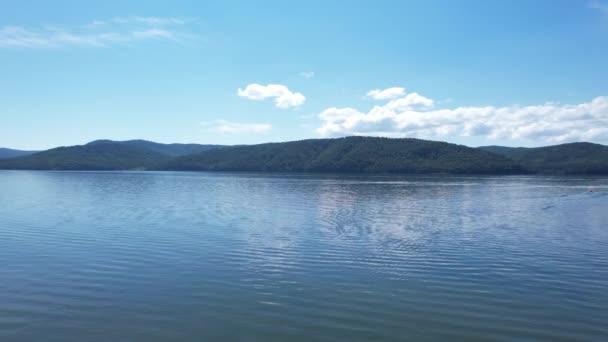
(136,256)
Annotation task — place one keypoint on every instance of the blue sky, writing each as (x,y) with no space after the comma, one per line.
(523,73)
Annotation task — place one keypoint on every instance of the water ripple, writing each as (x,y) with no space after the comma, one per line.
(129,256)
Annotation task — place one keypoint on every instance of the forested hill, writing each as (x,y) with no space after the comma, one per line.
(351,154)
(10,153)
(173,150)
(573,158)
(106,156)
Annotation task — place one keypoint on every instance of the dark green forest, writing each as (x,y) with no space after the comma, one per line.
(11,153)
(173,150)
(572,158)
(351,154)
(340,155)
(87,157)
(104,155)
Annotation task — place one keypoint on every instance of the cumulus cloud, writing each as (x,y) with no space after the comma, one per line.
(229,127)
(97,33)
(385,94)
(409,102)
(413,115)
(284,98)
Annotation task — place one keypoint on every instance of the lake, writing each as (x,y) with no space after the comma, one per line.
(161,256)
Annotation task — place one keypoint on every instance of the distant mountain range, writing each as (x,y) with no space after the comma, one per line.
(10,153)
(573,158)
(104,155)
(341,155)
(351,154)
(173,150)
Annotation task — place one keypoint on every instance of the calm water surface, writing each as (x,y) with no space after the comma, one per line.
(128,256)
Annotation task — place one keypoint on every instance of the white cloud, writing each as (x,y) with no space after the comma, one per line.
(413,116)
(409,102)
(98,33)
(284,98)
(229,127)
(385,94)
(153,33)
(157,21)
(307,74)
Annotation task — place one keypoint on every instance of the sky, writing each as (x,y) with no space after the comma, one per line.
(515,73)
